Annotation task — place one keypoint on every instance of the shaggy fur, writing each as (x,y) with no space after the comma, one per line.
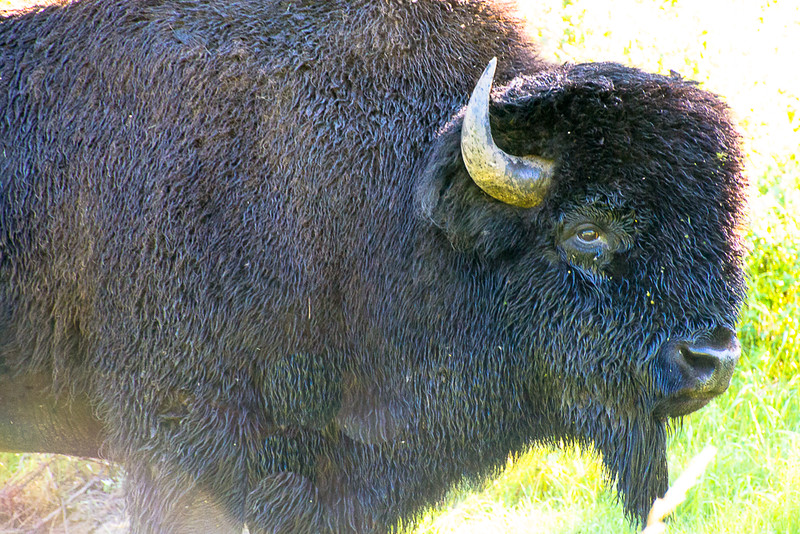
(245,230)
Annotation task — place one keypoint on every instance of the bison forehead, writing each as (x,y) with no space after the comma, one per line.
(613,116)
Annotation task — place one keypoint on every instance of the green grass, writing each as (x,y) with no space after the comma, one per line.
(744,51)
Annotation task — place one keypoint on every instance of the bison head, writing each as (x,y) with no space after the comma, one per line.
(607,204)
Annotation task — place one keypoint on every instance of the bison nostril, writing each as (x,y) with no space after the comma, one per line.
(708,365)
(701,365)
(695,372)
(723,337)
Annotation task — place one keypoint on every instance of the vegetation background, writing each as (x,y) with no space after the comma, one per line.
(746,50)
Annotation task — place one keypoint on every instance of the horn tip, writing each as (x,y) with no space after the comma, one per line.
(490,68)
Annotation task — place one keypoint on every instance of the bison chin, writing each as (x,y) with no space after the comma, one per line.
(634,452)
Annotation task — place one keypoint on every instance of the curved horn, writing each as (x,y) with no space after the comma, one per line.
(519,181)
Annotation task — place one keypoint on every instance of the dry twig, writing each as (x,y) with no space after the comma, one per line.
(677,492)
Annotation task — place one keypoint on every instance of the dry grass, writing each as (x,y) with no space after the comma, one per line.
(52,493)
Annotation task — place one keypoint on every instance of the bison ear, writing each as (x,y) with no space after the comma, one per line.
(448,198)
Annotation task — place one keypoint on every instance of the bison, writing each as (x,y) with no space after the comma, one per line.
(297,266)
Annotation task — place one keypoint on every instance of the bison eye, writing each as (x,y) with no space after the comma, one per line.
(586,244)
(588,235)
